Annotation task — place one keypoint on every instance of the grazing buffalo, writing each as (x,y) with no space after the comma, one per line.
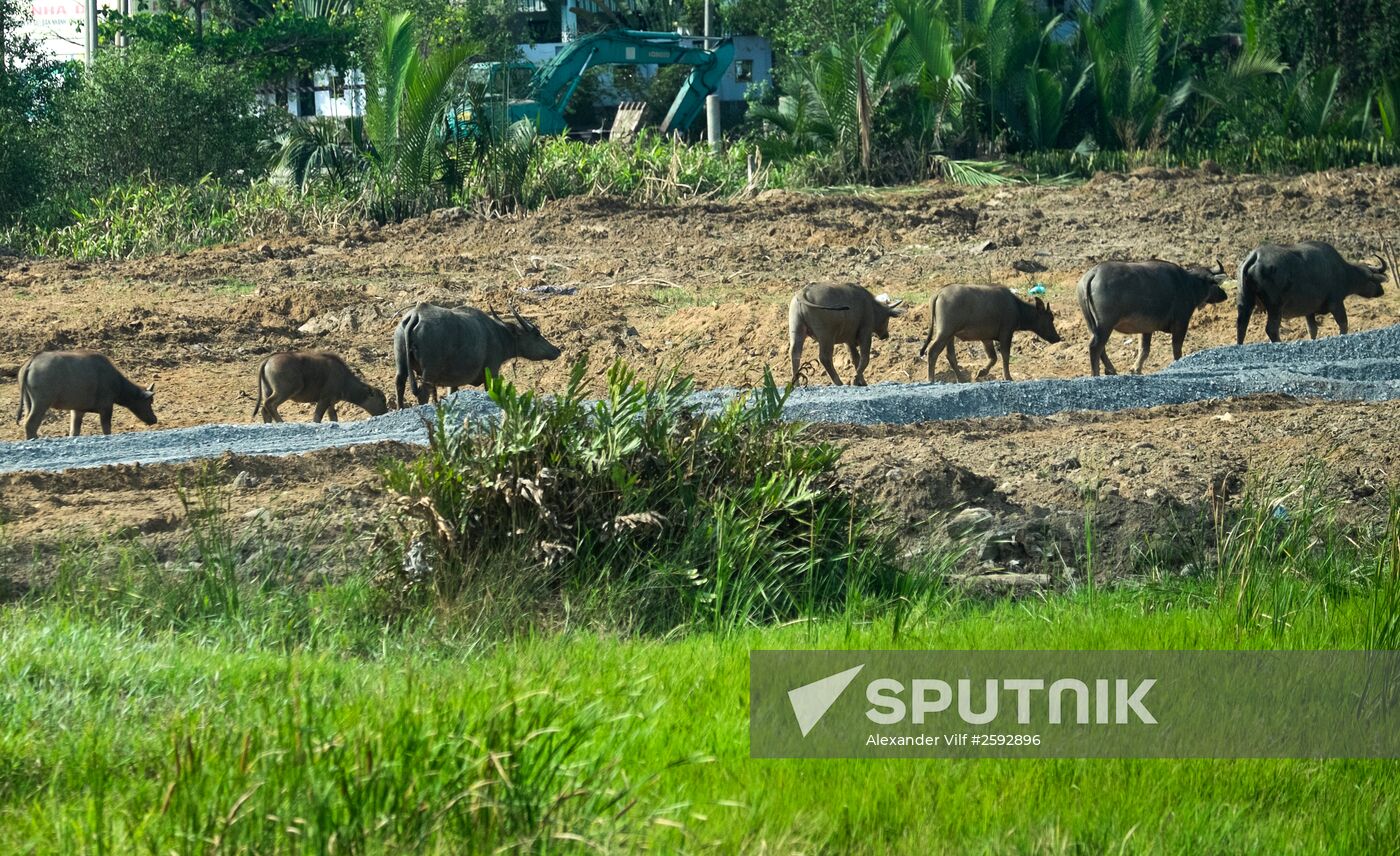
(1143,297)
(313,377)
(989,314)
(83,382)
(435,346)
(1302,280)
(836,314)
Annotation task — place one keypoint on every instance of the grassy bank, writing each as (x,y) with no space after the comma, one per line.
(544,688)
(113,740)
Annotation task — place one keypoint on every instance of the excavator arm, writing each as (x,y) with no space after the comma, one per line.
(554,82)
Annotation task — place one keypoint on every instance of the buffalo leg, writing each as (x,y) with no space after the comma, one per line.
(1143,350)
(75,424)
(401,380)
(1339,312)
(1271,326)
(335,417)
(953,361)
(37,412)
(270,405)
(824,353)
(1005,345)
(1178,339)
(990,347)
(1311,321)
(1246,311)
(105,417)
(1098,352)
(1108,366)
(938,346)
(860,355)
(795,342)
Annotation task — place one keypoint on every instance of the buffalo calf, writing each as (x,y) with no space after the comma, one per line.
(989,314)
(313,377)
(838,314)
(83,382)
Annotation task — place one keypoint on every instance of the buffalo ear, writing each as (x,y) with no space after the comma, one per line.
(1039,304)
(151,390)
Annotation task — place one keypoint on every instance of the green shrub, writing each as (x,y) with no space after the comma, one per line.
(22,166)
(167,115)
(640,505)
(138,218)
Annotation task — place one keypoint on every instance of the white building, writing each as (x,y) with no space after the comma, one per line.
(57,25)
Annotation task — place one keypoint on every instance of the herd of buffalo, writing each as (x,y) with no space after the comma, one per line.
(436,346)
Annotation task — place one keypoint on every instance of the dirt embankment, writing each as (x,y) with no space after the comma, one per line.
(1151,481)
(703,285)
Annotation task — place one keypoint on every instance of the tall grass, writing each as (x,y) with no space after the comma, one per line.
(249,690)
(663,516)
(515,169)
(139,218)
(1284,554)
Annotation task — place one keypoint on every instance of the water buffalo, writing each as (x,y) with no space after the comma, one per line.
(989,314)
(313,377)
(81,381)
(1144,297)
(835,313)
(435,346)
(1302,280)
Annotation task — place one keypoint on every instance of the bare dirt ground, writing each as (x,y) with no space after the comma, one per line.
(704,286)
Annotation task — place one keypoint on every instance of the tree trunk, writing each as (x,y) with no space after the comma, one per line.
(863,114)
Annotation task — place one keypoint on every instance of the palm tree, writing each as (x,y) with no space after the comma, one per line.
(397,159)
(1124,39)
(406,96)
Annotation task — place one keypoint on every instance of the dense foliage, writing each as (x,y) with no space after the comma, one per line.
(878,91)
(680,518)
(30,83)
(962,78)
(161,114)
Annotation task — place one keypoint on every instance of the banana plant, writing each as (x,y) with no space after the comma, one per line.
(1050,90)
(1232,88)
(932,63)
(833,96)
(406,95)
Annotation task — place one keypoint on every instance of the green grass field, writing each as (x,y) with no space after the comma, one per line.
(246,693)
(114,739)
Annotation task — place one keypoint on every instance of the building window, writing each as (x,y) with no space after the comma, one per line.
(743,70)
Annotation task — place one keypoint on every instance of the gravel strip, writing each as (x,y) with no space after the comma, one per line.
(1357,367)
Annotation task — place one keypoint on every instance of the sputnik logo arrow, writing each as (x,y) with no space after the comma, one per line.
(810,702)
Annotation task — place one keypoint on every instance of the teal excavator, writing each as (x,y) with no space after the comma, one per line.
(542,97)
